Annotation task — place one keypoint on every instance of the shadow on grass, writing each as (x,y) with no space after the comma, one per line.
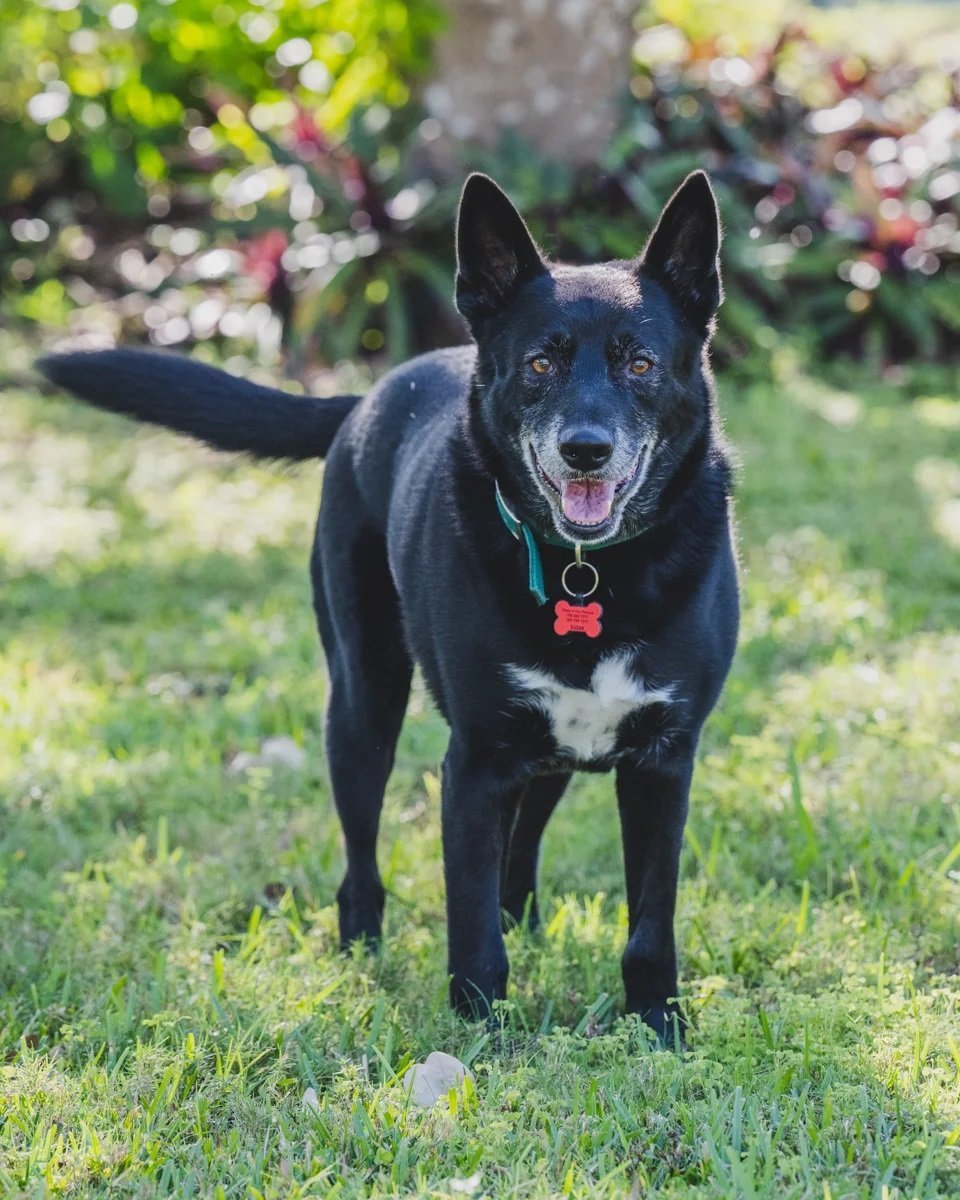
(158,977)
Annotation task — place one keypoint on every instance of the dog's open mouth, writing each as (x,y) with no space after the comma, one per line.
(587,502)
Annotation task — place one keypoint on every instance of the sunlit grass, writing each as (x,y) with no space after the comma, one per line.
(170,981)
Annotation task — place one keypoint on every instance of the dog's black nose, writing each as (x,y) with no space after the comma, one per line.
(585,448)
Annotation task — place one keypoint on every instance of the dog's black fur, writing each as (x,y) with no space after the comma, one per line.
(583,382)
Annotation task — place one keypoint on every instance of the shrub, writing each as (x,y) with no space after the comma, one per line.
(302,201)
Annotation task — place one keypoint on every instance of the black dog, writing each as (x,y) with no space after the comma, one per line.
(542,522)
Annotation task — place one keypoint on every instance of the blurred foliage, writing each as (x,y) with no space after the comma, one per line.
(98,94)
(291,205)
(839,180)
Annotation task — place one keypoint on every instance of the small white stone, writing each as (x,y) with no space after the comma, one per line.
(282,752)
(274,752)
(430,1081)
(242,762)
(466,1186)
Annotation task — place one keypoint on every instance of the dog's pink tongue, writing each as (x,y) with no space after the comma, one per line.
(587,501)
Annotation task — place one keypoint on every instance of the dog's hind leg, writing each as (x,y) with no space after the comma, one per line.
(518,895)
(370,671)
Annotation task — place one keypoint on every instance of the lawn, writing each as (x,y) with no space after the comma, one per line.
(170,987)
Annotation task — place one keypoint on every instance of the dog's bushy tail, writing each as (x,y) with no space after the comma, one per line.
(225,412)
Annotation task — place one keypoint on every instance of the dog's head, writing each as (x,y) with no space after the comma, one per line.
(591,383)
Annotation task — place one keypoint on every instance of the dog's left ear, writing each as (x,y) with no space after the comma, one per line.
(683,250)
(496,255)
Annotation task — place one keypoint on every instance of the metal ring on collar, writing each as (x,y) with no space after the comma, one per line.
(583,566)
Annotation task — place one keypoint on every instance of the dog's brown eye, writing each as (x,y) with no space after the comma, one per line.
(541,364)
(640,365)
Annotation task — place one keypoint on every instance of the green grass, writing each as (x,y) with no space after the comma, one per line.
(169,981)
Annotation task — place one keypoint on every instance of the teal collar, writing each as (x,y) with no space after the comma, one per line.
(522,532)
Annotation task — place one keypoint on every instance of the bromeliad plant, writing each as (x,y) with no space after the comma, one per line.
(842,179)
(839,183)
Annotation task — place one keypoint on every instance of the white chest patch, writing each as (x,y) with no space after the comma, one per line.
(584,721)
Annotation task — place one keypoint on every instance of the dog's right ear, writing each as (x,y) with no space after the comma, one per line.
(496,255)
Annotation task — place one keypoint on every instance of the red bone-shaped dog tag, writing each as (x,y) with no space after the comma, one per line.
(578,618)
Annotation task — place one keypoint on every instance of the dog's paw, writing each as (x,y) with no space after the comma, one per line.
(473,996)
(361,918)
(667,1023)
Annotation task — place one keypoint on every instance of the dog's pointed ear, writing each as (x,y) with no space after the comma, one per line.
(683,251)
(496,255)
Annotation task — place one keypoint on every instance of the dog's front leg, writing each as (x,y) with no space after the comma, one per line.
(653,809)
(478,808)
(518,897)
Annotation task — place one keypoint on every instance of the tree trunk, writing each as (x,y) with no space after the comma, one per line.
(555,71)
